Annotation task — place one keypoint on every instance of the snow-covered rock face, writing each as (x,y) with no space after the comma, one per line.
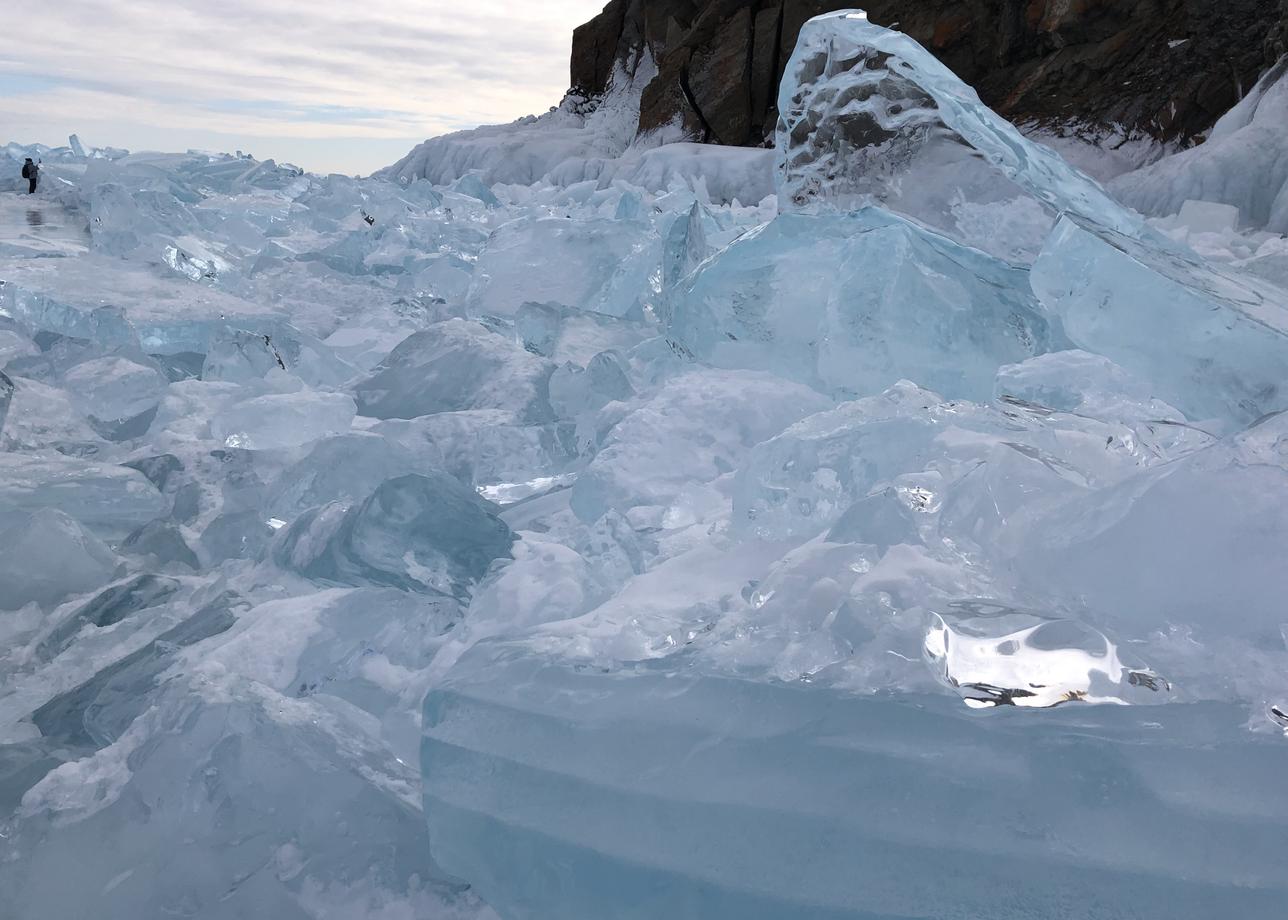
(369,547)
(1243,163)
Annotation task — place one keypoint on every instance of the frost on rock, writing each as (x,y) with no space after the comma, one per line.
(869,117)
(1241,164)
(370,546)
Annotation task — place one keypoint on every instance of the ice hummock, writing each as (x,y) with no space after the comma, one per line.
(372,546)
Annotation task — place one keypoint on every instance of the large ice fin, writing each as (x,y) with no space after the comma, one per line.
(868,116)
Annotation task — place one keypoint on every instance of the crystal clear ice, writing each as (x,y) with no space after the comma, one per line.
(565,525)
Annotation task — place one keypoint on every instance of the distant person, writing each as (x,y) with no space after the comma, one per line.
(31,172)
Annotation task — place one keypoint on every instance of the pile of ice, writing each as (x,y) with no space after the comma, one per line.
(912,547)
(593,140)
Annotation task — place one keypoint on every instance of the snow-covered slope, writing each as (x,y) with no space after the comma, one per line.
(591,140)
(1244,163)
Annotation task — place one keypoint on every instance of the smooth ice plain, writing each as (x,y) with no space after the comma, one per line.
(889,526)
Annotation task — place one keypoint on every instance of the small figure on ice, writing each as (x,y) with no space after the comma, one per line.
(31,172)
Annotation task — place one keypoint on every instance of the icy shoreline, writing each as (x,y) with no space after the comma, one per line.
(675,537)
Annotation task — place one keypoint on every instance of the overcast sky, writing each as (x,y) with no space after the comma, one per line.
(331,85)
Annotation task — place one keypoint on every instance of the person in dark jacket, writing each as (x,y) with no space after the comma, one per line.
(31,172)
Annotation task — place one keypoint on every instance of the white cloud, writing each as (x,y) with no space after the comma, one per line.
(280,75)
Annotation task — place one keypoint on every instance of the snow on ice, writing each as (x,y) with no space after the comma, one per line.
(566,525)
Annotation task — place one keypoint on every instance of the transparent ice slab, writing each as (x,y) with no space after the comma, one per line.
(770,800)
(850,304)
(1212,344)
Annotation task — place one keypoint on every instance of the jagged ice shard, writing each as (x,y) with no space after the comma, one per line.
(603,547)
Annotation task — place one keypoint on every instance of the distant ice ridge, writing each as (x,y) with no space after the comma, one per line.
(591,140)
(602,548)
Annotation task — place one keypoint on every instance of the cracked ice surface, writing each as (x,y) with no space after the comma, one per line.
(593,549)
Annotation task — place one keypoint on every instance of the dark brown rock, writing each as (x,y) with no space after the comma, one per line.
(1168,68)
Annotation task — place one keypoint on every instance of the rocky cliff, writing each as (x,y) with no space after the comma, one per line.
(1166,68)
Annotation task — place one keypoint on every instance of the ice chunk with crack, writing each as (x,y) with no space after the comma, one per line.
(457,365)
(345,468)
(105,325)
(968,464)
(868,116)
(119,396)
(282,420)
(575,390)
(1190,545)
(101,496)
(47,556)
(113,605)
(1078,381)
(666,452)
(217,765)
(418,532)
(41,416)
(1214,345)
(565,334)
(593,264)
(851,304)
(97,712)
(163,542)
(484,446)
(240,356)
(245,355)
(136,222)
